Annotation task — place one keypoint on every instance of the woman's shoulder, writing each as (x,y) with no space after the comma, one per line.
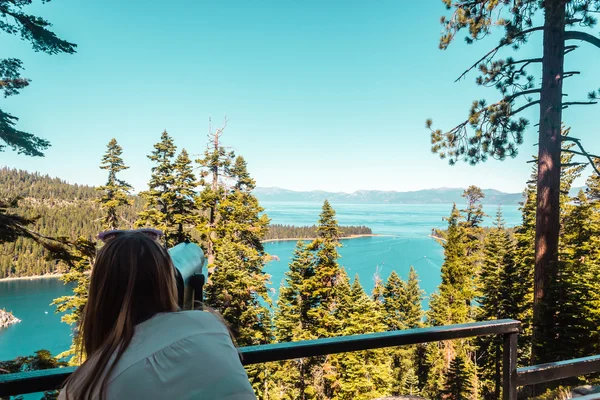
(193,322)
(163,331)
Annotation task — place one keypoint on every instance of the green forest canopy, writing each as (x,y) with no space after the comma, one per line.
(71,210)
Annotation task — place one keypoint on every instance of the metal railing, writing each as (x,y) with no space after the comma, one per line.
(512,378)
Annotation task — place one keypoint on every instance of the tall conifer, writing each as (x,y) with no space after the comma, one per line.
(361,374)
(454,301)
(158,210)
(402,310)
(184,214)
(497,284)
(292,323)
(215,169)
(459,381)
(327,271)
(232,228)
(114,194)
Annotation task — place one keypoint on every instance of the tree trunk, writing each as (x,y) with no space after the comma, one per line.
(213,208)
(548,182)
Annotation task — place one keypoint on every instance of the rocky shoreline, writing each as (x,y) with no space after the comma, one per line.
(7,319)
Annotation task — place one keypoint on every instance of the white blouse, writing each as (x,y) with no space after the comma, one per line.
(179,355)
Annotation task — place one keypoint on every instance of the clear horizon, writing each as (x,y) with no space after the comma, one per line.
(320,190)
(329,97)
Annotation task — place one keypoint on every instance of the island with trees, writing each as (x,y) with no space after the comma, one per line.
(7,319)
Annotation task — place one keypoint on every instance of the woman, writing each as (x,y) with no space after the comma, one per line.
(138,345)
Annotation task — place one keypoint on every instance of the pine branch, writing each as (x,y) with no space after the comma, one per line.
(518,110)
(568,74)
(569,49)
(522,93)
(527,60)
(582,153)
(492,53)
(578,103)
(583,36)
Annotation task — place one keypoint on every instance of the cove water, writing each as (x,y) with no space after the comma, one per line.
(406,242)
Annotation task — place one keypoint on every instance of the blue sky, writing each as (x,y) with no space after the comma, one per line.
(320,95)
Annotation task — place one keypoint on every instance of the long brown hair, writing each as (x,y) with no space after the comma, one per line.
(132,280)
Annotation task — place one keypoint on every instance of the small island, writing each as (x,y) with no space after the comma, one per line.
(7,319)
(278,232)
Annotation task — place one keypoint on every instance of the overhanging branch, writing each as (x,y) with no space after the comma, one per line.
(583,152)
(518,110)
(527,60)
(503,42)
(522,93)
(578,103)
(586,37)
(570,48)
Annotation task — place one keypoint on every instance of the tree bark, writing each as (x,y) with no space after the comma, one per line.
(213,208)
(548,183)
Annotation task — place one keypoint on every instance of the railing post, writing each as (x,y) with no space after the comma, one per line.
(509,375)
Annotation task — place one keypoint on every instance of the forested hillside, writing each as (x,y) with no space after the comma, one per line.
(71,210)
(63,210)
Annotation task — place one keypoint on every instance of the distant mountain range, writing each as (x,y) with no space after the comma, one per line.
(428,196)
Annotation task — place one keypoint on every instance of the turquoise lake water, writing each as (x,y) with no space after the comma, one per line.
(408,243)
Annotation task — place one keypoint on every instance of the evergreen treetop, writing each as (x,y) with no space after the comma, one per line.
(328,228)
(184,213)
(115,192)
(160,195)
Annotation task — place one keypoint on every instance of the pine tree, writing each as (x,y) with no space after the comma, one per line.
(291,318)
(590,278)
(240,215)
(378,289)
(116,191)
(292,323)
(474,212)
(577,286)
(327,271)
(158,210)
(184,213)
(459,382)
(362,374)
(402,310)
(496,129)
(524,262)
(34,30)
(233,292)
(558,314)
(593,185)
(410,383)
(215,168)
(457,278)
(497,283)
(454,301)
(413,296)
(232,230)
(323,289)
(393,292)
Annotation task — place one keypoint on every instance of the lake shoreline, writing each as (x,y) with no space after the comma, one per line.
(48,276)
(22,278)
(310,239)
